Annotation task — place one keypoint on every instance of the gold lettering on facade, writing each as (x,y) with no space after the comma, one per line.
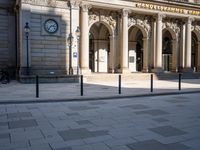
(167,9)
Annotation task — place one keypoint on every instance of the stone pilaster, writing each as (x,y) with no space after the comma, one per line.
(112,55)
(145,55)
(75,6)
(24,15)
(174,56)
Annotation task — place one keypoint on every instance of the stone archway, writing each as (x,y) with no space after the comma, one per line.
(170,58)
(167,51)
(99,47)
(135,47)
(108,20)
(138,48)
(142,23)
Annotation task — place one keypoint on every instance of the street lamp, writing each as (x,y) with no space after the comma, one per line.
(70,41)
(78,37)
(27,31)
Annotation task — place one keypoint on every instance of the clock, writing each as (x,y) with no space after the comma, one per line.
(51,26)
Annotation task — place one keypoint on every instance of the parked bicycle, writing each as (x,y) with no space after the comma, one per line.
(4,76)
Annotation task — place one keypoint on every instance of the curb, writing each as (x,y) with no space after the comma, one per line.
(82,99)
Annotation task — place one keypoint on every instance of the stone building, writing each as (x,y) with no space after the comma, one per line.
(123,36)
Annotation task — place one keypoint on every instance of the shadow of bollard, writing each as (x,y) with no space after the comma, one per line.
(179,81)
(119,89)
(37,86)
(151,83)
(81,85)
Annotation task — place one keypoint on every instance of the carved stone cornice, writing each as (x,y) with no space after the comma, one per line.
(74,3)
(196,26)
(48,3)
(160,16)
(142,21)
(173,24)
(110,18)
(190,20)
(85,7)
(125,12)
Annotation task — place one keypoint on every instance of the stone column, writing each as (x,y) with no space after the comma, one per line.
(112,53)
(198,57)
(188,51)
(158,65)
(145,55)
(182,47)
(84,40)
(124,39)
(174,55)
(152,51)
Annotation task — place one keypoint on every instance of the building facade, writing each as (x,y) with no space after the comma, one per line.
(117,36)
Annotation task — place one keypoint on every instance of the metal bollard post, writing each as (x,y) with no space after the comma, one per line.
(179,82)
(119,84)
(37,86)
(81,85)
(151,82)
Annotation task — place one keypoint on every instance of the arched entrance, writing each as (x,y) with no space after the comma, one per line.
(136,49)
(194,58)
(167,50)
(99,48)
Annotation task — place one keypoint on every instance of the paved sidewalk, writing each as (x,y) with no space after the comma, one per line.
(145,123)
(17,92)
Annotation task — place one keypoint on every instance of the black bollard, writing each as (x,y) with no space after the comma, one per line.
(119,84)
(37,86)
(179,81)
(151,82)
(81,85)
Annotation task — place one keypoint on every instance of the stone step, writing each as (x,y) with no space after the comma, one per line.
(114,77)
(173,76)
(100,77)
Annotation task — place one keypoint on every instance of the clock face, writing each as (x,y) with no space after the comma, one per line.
(51,26)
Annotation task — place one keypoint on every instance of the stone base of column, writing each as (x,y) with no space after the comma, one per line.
(125,71)
(145,70)
(157,70)
(175,70)
(85,71)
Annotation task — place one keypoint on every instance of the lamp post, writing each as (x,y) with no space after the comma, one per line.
(70,41)
(78,37)
(27,31)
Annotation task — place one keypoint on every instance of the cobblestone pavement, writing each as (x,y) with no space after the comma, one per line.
(149,123)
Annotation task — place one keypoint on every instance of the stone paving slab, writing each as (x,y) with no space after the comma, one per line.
(22,123)
(103,125)
(167,131)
